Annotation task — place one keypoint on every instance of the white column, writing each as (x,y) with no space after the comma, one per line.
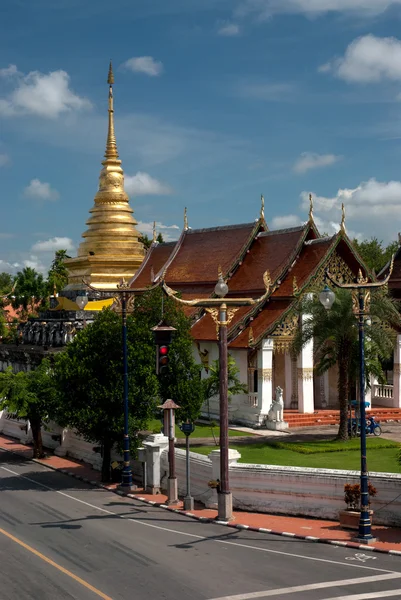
(306,402)
(397,374)
(288,380)
(265,368)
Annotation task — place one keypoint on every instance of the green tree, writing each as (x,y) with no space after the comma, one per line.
(29,395)
(374,253)
(30,290)
(90,384)
(335,340)
(211,384)
(6,283)
(182,382)
(58,274)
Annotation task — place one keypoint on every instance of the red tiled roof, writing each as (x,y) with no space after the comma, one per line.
(155,259)
(261,323)
(311,256)
(202,251)
(270,251)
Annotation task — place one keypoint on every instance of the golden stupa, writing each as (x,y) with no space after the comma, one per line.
(111,250)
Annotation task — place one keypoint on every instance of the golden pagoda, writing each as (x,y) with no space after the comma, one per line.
(111,249)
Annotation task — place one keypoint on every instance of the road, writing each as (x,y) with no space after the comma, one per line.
(62,539)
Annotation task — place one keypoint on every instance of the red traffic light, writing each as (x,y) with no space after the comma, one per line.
(163,350)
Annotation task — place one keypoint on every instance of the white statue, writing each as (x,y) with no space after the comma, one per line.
(276,411)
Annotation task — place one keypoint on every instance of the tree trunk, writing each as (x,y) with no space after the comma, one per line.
(106,463)
(343,397)
(36,426)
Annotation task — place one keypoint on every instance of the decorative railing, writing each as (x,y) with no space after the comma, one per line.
(253,399)
(382,391)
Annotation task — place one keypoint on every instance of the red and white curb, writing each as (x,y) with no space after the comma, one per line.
(240,526)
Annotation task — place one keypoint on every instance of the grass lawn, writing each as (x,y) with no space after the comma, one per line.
(201,431)
(382,454)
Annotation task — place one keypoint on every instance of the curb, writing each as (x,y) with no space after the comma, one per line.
(239,526)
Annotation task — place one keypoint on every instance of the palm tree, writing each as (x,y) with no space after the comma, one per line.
(335,341)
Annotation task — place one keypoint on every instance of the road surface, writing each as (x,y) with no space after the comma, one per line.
(62,539)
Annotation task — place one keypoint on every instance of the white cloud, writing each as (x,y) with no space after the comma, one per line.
(373,206)
(311,160)
(229,30)
(144,64)
(368,59)
(169,232)
(142,184)
(265,9)
(35,263)
(44,95)
(4,159)
(9,71)
(40,191)
(53,244)
(284,221)
(8,267)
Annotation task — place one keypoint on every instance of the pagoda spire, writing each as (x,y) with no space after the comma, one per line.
(154,232)
(185,219)
(111,144)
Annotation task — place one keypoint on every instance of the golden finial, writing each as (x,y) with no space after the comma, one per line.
(262,207)
(219,272)
(295,288)
(251,339)
(185,219)
(154,232)
(111,144)
(343,217)
(110,77)
(310,207)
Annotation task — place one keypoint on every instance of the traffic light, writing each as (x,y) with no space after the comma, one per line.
(162,360)
(163,335)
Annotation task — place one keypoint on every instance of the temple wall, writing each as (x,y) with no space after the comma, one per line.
(290,490)
(279,372)
(333,387)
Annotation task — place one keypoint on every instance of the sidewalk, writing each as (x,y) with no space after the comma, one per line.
(388,538)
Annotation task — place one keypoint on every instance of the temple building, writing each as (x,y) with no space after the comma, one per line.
(259,336)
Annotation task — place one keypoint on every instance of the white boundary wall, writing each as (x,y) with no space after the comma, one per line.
(292,491)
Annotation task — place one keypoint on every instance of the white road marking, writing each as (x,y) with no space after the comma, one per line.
(200,537)
(312,586)
(368,595)
(361,557)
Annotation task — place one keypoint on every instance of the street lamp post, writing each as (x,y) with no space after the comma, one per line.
(361,291)
(222,312)
(125,298)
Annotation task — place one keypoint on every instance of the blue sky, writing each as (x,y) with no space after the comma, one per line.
(216,101)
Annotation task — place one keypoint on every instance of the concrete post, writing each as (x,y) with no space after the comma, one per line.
(154,446)
(62,449)
(214,456)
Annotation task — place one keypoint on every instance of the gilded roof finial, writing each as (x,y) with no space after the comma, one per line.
(185,219)
(251,339)
(154,232)
(342,218)
(295,288)
(262,207)
(111,144)
(310,207)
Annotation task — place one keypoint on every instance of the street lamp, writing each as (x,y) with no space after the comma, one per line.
(361,306)
(125,298)
(222,313)
(82,300)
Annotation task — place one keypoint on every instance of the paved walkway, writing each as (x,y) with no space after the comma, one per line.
(388,538)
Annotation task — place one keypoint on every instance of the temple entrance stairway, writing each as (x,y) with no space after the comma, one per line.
(331,417)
